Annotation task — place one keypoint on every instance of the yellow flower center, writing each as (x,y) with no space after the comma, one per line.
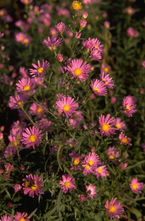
(111,157)
(26,88)
(127,107)
(15,143)
(118,126)
(34,187)
(112,209)
(27,184)
(25,41)
(21,38)
(32,138)
(124,140)
(106,69)
(39,110)
(40,70)
(87,166)
(77,72)
(67,184)
(26,1)
(22,219)
(20,103)
(134,186)
(129,11)
(91,162)
(96,89)
(106,82)
(99,170)
(96,47)
(66,107)
(76,5)
(1,13)
(105,127)
(76,162)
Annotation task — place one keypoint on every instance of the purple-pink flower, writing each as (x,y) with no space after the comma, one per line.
(52,43)
(91,191)
(32,185)
(129,104)
(67,183)
(124,139)
(114,209)
(26,86)
(136,186)
(98,87)
(21,217)
(79,69)
(107,80)
(107,125)
(6,218)
(39,70)
(67,105)
(31,137)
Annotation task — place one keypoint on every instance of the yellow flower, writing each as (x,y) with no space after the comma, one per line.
(76,5)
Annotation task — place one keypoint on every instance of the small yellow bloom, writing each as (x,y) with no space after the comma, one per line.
(76,5)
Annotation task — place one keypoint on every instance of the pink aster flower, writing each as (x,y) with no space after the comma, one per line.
(66,105)
(26,86)
(17,101)
(8,167)
(60,27)
(26,2)
(32,185)
(106,125)
(17,187)
(96,55)
(6,218)
(81,197)
(124,139)
(113,153)
(129,105)
(76,159)
(132,32)
(98,87)
(130,10)
(105,68)
(107,80)
(76,119)
(136,186)
(91,191)
(39,70)
(79,69)
(114,209)
(94,43)
(31,137)
(38,109)
(101,171)
(52,43)
(21,217)
(67,183)
(120,125)
(89,163)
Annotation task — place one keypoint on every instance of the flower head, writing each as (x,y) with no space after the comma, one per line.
(39,70)
(67,183)
(107,80)
(114,209)
(120,125)
(91,191)
(124,139)
(6,218)
(136,186)
(101,171)
(132,32)
(60,27)
(76,5)
(129,105)
(106,125)
(66,105)
(32,185)
(98,87)
(26,86)
(17,101)
(31,137)
(38,109)
(113,153)
(21,217)
(52,43)
(79,69)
